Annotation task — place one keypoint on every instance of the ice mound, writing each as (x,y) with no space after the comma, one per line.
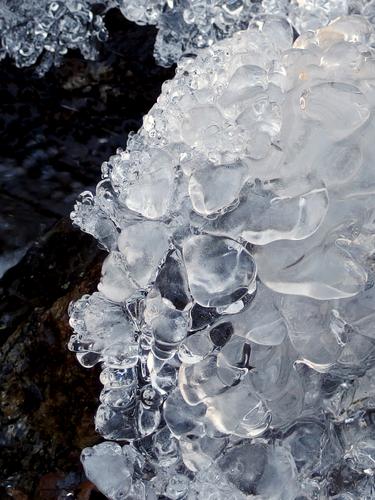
(41,31)
(234,318)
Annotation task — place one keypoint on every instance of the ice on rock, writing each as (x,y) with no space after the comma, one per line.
(234,317)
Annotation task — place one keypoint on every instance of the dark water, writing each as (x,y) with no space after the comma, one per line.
(56,131)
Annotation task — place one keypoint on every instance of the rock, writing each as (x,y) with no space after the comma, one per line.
(47,401)
(56,132)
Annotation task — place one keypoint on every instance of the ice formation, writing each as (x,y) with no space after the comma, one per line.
(46,29)
(42,31)
(234,318)
(184,26)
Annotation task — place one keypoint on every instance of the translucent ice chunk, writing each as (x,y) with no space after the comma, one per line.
(244,465)
(321,272)
(172,282)
(112,468)
(359,312)
(150,184)
(220,271)
(239,411)
(195,348)
(309,330)
(183,418)
(262,321)
(143,246)
(201,380)
(338,107)
(168,325)
(111,335)
(202,453)
(338,163)
(110,457)
(263,217)
(202,123)
(115,283)
(215,188)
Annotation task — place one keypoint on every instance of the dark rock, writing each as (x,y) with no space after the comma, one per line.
(47,400)
(56,131)
(54,264)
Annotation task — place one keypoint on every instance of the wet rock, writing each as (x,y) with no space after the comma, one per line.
(56,132)
(46,400)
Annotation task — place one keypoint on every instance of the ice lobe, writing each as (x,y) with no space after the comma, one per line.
(220,271)
(234,318)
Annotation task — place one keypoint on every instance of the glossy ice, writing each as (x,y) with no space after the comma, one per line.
(41,31)
(234,318)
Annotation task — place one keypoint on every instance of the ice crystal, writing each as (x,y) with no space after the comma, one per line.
(43,30)
(184,26)
(46,29)
(234,318)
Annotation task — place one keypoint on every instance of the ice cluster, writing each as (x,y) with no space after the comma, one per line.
(187,25)
(234,319)
(46,29)
(42,31)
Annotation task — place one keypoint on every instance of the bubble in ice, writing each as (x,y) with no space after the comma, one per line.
(234,318)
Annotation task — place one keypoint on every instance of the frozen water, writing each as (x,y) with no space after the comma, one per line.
(187,25)
(234,319)
(41,31)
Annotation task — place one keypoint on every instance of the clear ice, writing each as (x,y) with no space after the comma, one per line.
(234,320)
(184,26)
(42,31)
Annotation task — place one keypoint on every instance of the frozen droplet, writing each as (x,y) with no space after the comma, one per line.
(143,245)
(220,271)
(216,188)
(115,283)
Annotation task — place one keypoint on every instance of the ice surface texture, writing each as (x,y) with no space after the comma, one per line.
(187,25)
(41,31)
(234,317)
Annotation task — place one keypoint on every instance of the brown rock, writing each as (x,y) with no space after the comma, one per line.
(47,400)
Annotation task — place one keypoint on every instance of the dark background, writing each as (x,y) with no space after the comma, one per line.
(55,133)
